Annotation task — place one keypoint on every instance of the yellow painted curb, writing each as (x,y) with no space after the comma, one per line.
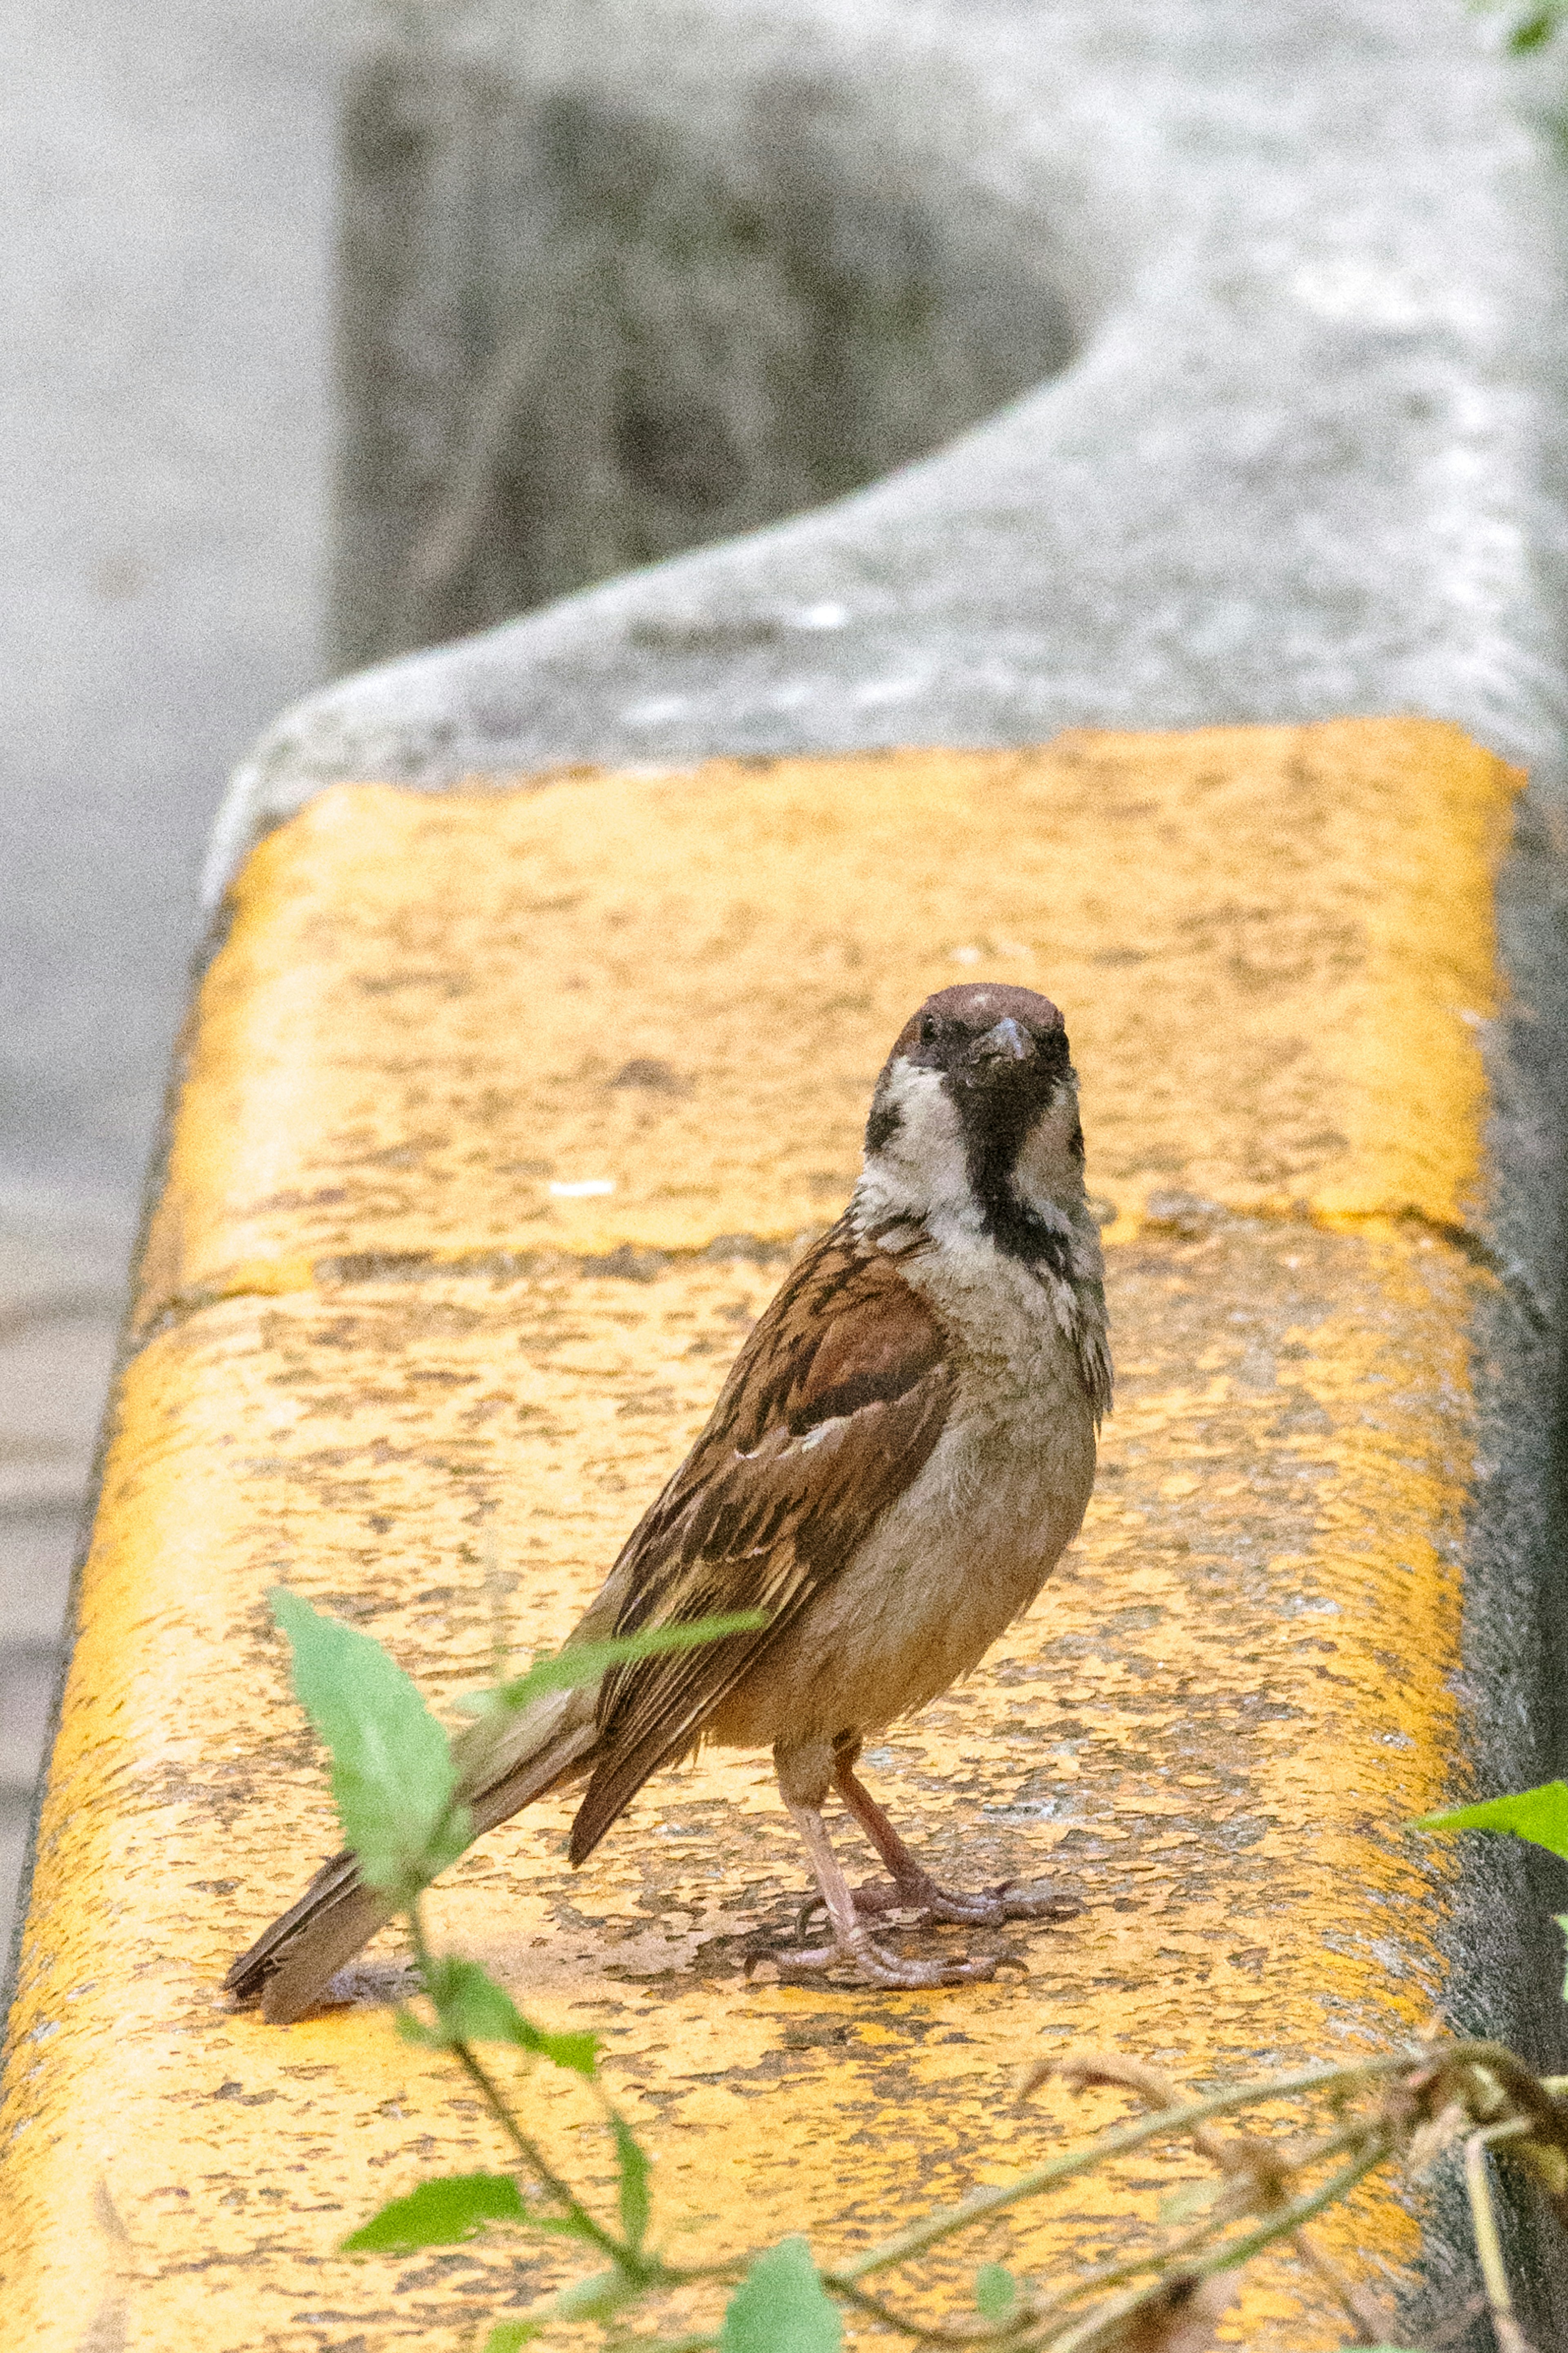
(1273,944)
(384,1362)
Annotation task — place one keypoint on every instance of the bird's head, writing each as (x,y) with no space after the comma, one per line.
(975,1114)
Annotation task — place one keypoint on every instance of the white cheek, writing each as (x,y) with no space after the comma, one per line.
(922,1166)
(928,1129)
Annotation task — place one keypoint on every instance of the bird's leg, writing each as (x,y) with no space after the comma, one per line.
(914,1883)
(852,1939)
(803,1774)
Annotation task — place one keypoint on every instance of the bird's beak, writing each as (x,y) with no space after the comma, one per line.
(1007,1042)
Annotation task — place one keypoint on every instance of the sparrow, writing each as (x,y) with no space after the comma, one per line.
(897,1459)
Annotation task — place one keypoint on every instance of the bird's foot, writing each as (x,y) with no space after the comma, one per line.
(988,1907)
(919,1895)
(873,1899)
(873,1966)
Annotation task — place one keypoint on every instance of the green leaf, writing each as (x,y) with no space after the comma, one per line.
(782,2307)
(414,2030)
(392,1775)
(1540,1815)
(507,2336)
(472,2008)
(584,1662)
(1533,31)
(632,2161)
(438,2214)
(470,2004)
(578,2051)
(593,2298)
(995,2290)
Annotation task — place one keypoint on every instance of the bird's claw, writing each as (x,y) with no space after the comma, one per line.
(990,1907)
(874,1966)
(987,1908)
(913,1896)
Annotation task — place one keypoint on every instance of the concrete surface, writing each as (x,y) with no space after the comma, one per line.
(381,1359)
(62,1279)
(1306,459)
(165,187)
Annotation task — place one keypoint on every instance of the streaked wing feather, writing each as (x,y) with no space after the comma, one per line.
(831,1408)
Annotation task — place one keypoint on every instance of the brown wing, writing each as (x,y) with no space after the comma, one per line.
(830,1409)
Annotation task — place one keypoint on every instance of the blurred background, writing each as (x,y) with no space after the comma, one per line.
(164,273)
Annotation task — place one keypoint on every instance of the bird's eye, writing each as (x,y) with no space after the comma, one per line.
(928,1029)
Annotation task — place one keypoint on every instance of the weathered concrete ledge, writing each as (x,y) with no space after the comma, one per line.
(377,1356)
(1272,301)
(1275,298)
(1254,316)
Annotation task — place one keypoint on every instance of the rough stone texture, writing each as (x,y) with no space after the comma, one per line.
(1304,460)
(1277,945)
(377,1356)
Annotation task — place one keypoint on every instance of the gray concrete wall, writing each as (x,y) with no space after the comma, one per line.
(1305,459)
(578,339)
(166,172)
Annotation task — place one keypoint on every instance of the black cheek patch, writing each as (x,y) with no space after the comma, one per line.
(883,1124)
(1019,1231)
(995,1122)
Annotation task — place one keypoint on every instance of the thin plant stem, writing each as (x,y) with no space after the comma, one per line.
(1091,2282)
(1095,2327)
(534,2157)
(685,2274)
(1201,2234)
(932,2228)
(1509,2336)
(624,2258)
(942,2332)
(1301,2209)
(1373,2326)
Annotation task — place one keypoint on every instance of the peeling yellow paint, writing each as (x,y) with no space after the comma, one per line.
(1214,1723)
(429,1011)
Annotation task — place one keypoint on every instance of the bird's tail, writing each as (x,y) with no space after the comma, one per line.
(502,1766)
